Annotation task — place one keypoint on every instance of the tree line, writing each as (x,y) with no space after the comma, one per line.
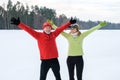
(35,16)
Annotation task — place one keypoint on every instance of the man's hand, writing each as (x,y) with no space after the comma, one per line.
(72,21)
(103,23)
(15,21)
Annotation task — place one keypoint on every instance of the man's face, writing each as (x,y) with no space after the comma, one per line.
(47,29)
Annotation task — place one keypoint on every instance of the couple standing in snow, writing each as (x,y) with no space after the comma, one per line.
(48,49)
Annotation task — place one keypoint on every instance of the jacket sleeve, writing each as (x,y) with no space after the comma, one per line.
(62,33)
(26,28)
(60,29)
(84,34)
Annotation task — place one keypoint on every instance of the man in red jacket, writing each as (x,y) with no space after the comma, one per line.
(47,45)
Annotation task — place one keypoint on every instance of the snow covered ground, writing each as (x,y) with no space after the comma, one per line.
(19,56)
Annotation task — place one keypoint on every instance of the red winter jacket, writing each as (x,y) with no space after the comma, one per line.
(46,42)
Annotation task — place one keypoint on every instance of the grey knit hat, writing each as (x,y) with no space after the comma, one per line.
(75,26)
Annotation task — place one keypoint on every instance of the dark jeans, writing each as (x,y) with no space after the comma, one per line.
(46,65)
(72,62)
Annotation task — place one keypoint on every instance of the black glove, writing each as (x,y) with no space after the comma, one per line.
(15,21)
(72,21)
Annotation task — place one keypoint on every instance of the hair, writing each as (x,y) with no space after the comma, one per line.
(77,31)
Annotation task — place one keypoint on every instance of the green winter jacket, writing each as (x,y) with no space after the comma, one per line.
(75,43)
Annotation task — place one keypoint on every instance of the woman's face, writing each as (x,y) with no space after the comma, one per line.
(73,30)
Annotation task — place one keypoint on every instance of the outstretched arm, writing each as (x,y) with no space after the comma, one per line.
(52,23)
(55,27)
(102,24)
(18,23)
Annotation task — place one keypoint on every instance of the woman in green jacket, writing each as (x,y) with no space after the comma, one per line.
(75,51)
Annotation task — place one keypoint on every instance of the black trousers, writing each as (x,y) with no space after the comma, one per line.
(72,62)
(46,65)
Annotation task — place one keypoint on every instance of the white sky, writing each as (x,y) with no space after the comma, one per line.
(108,10)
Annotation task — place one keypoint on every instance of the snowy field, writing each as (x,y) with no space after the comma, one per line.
(19,56)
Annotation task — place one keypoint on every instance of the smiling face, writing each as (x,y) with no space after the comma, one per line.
(73,30)
(47,29)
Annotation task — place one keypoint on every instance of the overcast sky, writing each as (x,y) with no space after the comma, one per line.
(108,10)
